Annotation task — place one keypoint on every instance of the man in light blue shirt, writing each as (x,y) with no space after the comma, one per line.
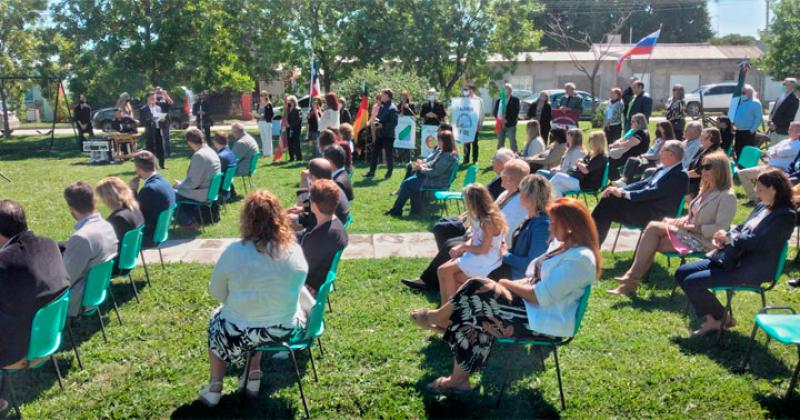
(748,118)
(780,156)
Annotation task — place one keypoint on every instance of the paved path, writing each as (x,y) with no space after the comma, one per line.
(369,246)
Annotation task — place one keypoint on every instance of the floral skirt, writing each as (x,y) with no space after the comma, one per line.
(232,343)
(481,312)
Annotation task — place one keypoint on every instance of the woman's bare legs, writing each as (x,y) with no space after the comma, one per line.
(654,239)
(217,372)
(447,280)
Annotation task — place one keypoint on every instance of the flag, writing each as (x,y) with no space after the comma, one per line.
(736,98)
(60,94)
(362,115)
(282,138)
(643,47)
(314,90)
(501,111)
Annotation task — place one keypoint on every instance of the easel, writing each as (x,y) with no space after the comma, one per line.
(47,80)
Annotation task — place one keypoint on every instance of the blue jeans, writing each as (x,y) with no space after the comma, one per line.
(313,136)
(409,189)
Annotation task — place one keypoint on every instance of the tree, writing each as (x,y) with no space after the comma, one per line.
(19,45)
(682,21)
(733,39)
(558,33)
(446,41)
(782,58)
(378,78)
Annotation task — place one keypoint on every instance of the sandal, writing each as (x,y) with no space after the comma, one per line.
(438,387)
(208,397)
(253,384)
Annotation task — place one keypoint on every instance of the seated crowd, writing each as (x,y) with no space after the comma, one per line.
(515,264)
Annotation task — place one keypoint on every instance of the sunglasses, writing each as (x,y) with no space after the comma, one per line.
(706,167)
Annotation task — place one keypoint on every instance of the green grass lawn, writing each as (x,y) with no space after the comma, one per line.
(40,175)
(631,359)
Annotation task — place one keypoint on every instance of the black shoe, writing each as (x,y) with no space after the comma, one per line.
(392,213)
(795,282)
(388,175)
(369,174)
(416,284)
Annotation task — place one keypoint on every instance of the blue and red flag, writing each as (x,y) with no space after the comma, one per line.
(645,46)
(314,90)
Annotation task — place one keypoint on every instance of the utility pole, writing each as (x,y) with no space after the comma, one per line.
(766,17)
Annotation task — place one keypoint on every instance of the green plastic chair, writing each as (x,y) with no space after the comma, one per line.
(251,171)
(785,328)
(641,228)
(584,193)
(749,158)
(446,196)
(46,329)
(304,339)
(95,293)
(161,233)
(348,222)
(227,183)
(211,197)
(128,253)
(554,343)
(428,191)
(761,289)
(332,273)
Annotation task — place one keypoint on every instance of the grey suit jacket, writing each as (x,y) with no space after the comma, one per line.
(93,242)
(204,165)
(244,149)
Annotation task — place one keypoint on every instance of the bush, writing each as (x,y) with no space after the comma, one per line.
(377,79)
(599,115)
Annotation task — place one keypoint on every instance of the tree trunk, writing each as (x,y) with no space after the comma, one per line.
(6,128)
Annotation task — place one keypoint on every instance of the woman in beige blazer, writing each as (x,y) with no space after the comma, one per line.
(550,157)
(712,210)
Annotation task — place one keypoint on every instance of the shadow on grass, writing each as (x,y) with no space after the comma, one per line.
(29,385)
(510,363)
(777,405)
(22,148)
(729,353)
(277,374)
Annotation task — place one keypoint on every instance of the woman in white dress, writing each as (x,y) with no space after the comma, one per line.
(330,118)
(482,254)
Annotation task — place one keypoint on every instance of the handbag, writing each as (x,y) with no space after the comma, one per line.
(726,258)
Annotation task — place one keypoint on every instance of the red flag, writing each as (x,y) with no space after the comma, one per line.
(501,112)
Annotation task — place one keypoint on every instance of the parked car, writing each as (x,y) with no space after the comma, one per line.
(13,121)
(716,98)
(102,118)
(555,95)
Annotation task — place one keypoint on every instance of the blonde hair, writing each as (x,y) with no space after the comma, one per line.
(721,175)
(577,138)
(597,143)
(116,194)
(264,223)
(292,99)
(535,189)
(481,206)
(534,126)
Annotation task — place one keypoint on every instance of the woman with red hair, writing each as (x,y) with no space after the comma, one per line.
(543,304)
(330,118)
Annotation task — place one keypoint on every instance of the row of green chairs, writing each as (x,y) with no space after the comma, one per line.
(594,193)
(303,339)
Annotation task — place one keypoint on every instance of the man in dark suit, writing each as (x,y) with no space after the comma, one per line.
(653,198)
(509,119)
(164,101)
(321,243)
(385,124)
(318,168)
(82,114)
(226,159)
(202,114)
(640,103)
(151,116)
(785,108)
(155,196)
(336,155)
(32,274)
(433,112)
(627,95)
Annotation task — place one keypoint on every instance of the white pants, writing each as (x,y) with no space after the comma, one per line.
(265,131)
(561,183)
(748,179)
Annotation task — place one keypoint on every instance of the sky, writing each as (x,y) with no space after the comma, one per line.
(744,17)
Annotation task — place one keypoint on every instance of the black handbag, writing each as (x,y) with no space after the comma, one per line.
(726,258)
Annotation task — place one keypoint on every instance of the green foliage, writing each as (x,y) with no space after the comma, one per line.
(733,39)
(599,115)
(782,58)
(376,79)
(20,40)
(682,21)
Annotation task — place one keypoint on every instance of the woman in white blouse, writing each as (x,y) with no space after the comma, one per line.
(258,280)
(330,118)
(544,304)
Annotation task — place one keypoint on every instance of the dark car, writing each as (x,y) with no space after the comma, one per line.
(102,118)
(555,96)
